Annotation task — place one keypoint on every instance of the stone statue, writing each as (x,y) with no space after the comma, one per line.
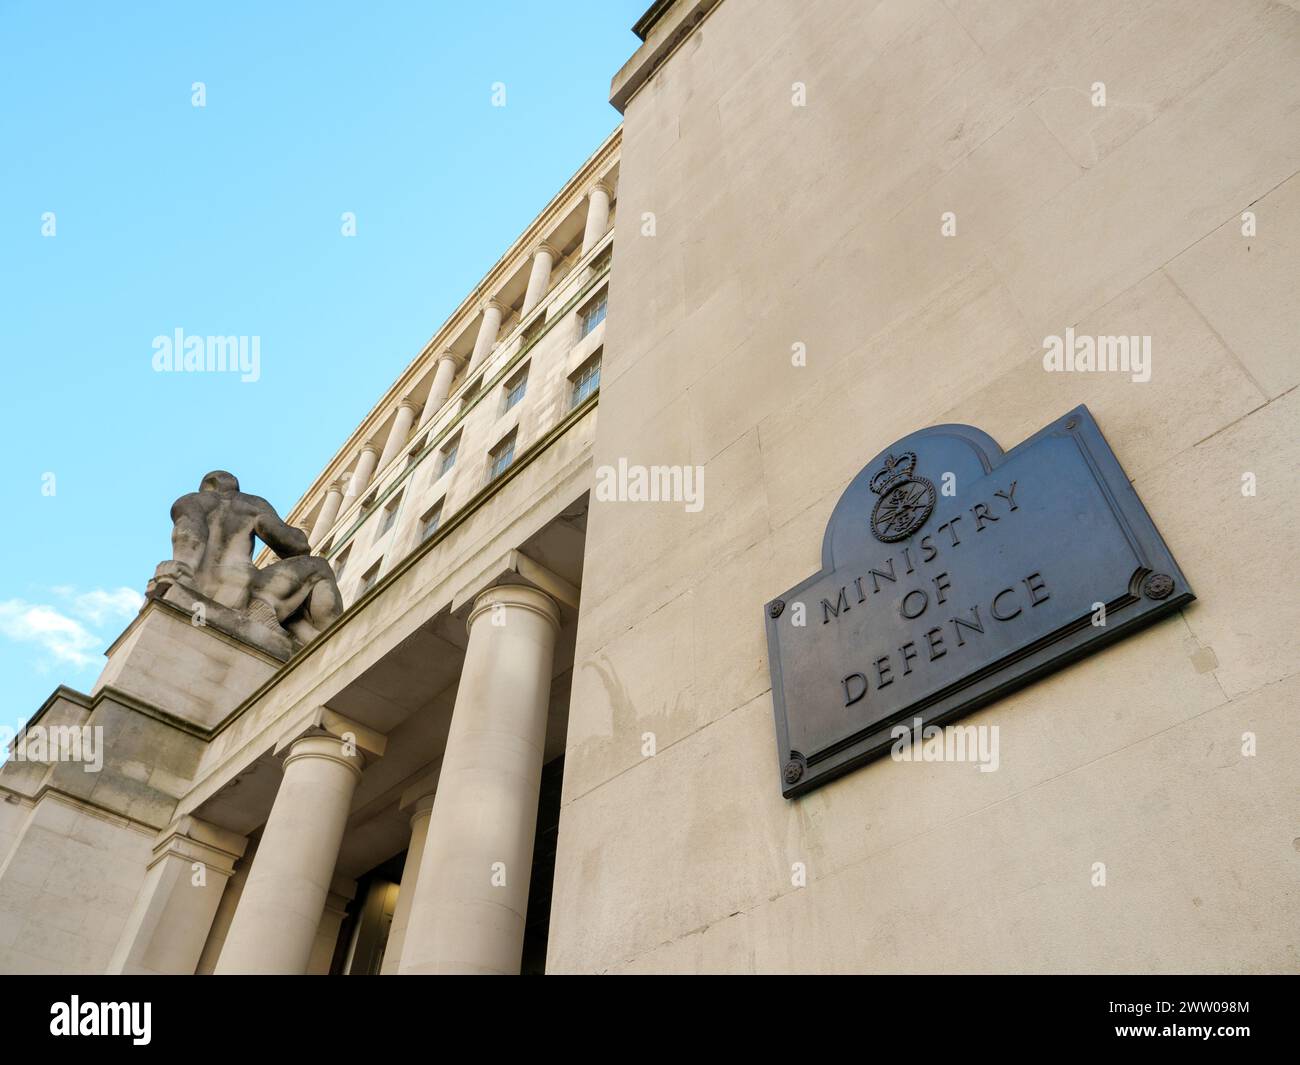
(278,608)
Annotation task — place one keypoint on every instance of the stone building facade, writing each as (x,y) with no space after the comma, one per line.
(540,735)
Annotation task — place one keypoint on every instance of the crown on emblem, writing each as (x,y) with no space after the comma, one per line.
(895,471)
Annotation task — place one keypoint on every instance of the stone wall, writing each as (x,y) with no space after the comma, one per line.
(777,225)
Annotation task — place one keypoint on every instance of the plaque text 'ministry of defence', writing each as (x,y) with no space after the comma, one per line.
(953,572)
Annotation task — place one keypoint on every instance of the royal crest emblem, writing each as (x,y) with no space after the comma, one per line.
(905,502)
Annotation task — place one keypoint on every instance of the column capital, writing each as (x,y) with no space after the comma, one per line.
(337,730)
(500,305)
(456,360)
(422,808)
(370,445)
(337,485)
(605,185)
(193,840)
(550,249)
(409,403)
(517,597)
(328,747)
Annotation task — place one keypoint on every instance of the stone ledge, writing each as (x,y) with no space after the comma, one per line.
(663,28)
(195,673)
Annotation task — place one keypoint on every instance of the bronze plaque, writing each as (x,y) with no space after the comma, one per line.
(952,573)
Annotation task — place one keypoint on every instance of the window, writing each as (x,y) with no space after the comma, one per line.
(390,515)
(430,521)
(593,314)
(341,563)
(516,388)
(368,579)
(448,457)
(601,262)
(501,456)
(413,455)
(586,380)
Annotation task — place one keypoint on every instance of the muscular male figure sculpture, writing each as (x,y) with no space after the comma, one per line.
(292,600)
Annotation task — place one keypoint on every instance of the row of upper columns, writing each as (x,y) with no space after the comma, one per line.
(372,458)
(463,898)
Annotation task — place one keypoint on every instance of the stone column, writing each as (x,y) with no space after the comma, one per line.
(280,911)
(597,215)
(445,372)
(167,929)
(539,280)
(493,312)
(406,890)
(402,422)
(327,933)
(471,896)
(365,469)
(329,510)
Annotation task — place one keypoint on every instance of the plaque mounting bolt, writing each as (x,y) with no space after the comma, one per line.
(1158,586)
(793,770)
(775,607)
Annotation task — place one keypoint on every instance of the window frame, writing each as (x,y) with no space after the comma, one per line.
(389,516)
(599,302)
(505,447)
(449,450)
(370,578)
(433,514)
(516,384)
(577,379)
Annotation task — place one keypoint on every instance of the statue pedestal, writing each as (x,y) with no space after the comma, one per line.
(194,672)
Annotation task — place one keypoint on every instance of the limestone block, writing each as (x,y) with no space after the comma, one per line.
(1248,288)
(67,886)
(1198,164)
(1196,387)
(193,672)
(1239,549)
(172,916)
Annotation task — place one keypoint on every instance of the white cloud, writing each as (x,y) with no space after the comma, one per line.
(65,633)
(99,605)
(59,635)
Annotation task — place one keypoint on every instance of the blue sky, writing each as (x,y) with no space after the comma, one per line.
(226,220)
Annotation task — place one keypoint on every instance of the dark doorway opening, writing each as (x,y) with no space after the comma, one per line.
(538,921)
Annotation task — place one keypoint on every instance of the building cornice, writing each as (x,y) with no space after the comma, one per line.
(595,168)
(664,29)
